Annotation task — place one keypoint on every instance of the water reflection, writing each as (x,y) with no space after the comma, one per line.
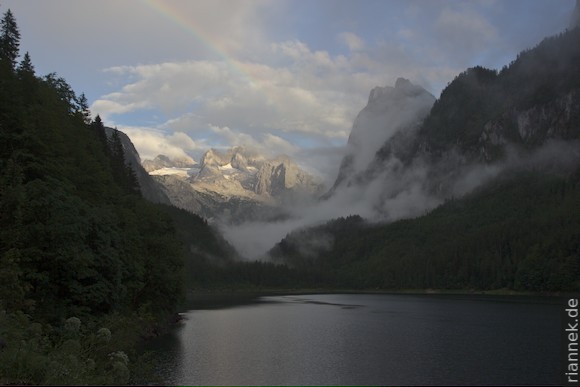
(364,339)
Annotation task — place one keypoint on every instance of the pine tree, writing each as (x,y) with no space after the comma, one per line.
(26,67)
(12,286)
(28,81)
(99,128)
(65,93)
(9,41)
(83,108)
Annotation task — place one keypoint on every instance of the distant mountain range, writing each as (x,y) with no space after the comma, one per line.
(234,185)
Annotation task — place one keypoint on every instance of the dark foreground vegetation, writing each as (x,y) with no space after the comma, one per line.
(87,266)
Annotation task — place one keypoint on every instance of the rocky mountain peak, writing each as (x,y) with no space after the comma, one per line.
(402,83)
(237,156)
(238,161)
(389,111)
(281,176)
(163,161)
(236,182)
(386,95)
(213,157)
(150,189)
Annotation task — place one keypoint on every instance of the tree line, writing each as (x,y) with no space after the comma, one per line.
(80,249)
(521,232)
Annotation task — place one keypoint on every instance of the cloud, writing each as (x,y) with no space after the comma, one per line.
(464,32)
(323,162)
(150,143)
(304,93)
(267,145)
(266,74)
(109,107)
(251,98)
(352,41)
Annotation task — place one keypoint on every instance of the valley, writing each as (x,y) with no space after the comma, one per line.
(385,200)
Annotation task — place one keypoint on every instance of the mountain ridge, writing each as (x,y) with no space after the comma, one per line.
(236,184)
(499,152)
(482,117)
(389,112)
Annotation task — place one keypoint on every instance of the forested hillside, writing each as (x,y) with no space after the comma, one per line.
(521,232)
(87,265)
(479,97)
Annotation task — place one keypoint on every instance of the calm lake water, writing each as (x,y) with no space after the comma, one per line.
(359,339)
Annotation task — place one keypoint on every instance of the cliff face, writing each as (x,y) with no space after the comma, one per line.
(150,189)
(484,122)
(531,101)
(281,177)
(392,114)
(507,141)
(236,185)
(555,120)
(511,139)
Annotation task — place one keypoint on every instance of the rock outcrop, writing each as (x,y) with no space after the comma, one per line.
(238,184)
(150,189)
(392,113)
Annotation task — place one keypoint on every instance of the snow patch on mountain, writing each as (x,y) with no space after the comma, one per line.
(239,175)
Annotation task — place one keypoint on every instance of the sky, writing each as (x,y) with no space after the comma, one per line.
(283,76)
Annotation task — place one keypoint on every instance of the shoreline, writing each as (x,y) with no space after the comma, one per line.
(244,293)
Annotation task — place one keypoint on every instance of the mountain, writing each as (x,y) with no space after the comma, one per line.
(203,246)
(484,121)
(489,181)
(519,232)
(161,161)
(235,185)
(149,188)
(391,113)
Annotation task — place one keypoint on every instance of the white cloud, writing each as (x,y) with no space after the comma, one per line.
(311,93)
(258,85)
(108,107)
(463,34)
(267,144)
(352,41)
(150,143)
(299,98)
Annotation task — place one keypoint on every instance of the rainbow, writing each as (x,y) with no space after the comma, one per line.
(186,23)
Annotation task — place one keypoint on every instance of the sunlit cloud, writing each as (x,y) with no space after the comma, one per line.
(151,143)
(262,68)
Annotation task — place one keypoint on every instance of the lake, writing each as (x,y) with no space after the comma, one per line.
(365,339)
